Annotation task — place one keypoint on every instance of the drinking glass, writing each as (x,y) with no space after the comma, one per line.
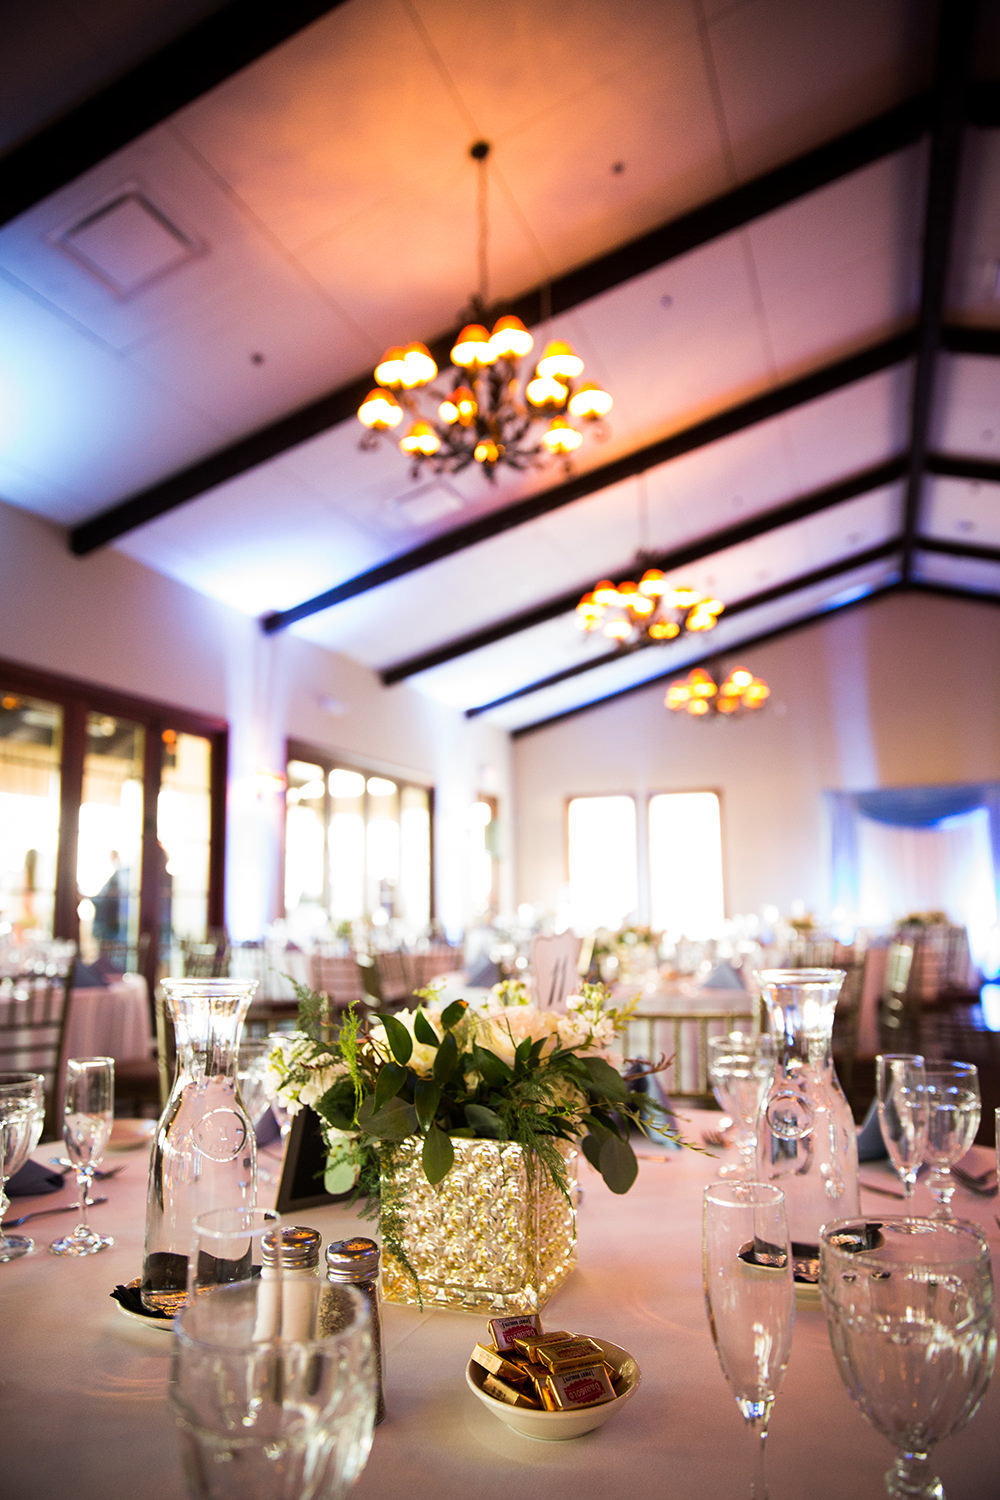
(750,1299)
(909,1304)
(953,1112)
(901,1089)
(22,1109)
(227,1247)
(268,1417)
(88,1115)
(740,1068)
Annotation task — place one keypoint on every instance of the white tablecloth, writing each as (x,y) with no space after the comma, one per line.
(84,1409)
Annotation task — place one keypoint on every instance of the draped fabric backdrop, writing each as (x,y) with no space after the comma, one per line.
(906,849)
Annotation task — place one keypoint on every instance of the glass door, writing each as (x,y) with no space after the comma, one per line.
(31,737)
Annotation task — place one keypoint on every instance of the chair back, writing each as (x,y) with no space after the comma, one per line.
(207,960)
(682,1038)
(336,975)
(33,1012)
(899,1016)
(553,962)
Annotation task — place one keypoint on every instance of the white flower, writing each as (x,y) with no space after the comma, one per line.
(423,1055)
(500,1031)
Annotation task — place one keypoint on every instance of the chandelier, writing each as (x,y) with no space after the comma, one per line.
(698,694)
(645,612)
(490,408)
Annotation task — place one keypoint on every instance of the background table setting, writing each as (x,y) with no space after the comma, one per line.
(77,1367)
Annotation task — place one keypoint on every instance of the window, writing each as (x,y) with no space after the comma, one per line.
(681,865)
(81,857)
(685,864)
(357,848)
(603,862)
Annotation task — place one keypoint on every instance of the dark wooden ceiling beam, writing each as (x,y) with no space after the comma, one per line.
(985,470)
(955,34)
(679,557)
(203,57)
(740,606)
(871,360)
(750,643)
(881,137)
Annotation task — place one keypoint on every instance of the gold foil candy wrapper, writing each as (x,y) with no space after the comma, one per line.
(504,1330)
(510,1394)
(497,1364)
(529,1343)
(568,1354)
(590,1385)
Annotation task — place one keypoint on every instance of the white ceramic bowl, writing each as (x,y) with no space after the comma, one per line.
(557,1426)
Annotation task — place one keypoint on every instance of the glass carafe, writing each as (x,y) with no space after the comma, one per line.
(806,1137)
(204,1153)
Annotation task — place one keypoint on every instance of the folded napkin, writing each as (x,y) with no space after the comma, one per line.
(871,1146)
(34,1179)
(723,977)
(267,1129)
(130,1298)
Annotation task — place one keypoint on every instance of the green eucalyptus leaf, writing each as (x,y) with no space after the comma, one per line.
(453,1013)
(591,1147)
(494,1070)
(390,1080)
(426,1098)
(446,1060)
(484,1121)
(438,1155)
(394,1122)
(617,1164)
(424,1031)
(399,1039)
(604,1079)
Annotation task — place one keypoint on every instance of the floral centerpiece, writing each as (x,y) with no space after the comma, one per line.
(479,1112)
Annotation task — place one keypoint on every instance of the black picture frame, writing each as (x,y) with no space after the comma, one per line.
(301,1184)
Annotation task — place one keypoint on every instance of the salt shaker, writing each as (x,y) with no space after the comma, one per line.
(290,1258)
(356,1262)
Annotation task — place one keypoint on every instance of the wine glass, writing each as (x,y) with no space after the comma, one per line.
(750,1299)
(267,1416)
(909,1304)
(88,1114)
(740,1067)
(901,1088)
(953,1112)
(22,1109)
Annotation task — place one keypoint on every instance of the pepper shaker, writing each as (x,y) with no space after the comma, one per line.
(356,1263)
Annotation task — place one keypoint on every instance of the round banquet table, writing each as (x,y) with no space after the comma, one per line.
(83,1385)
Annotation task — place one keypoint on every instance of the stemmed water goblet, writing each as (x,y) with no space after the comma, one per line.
(22,1109)
(909,1304)
(901,1090)
(953,1112)
(88,1115)
(750,1299)
(740,1068)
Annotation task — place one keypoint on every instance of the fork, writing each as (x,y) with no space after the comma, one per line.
(985,1184)
(42,1213)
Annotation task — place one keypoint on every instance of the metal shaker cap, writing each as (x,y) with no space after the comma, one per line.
(294,1247)
(352,1260)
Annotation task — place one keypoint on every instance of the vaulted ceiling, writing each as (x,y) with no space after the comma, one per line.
(770,227)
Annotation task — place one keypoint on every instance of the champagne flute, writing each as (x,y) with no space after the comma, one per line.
(88,1114)
(740,1068)
(22,1109)
(909,1305)
(901,1086)
(750,1299)
(953,1112)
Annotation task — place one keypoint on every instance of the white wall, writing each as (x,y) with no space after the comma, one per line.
(902,691)
(107,620)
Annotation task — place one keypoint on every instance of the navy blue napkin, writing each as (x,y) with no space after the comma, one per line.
(34,1179)
(871,1146)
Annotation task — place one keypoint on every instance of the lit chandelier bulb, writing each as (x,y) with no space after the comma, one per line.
(380,411)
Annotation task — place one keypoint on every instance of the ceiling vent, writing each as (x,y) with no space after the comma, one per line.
(128,243)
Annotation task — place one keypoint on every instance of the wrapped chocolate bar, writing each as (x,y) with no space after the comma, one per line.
(503,1331)
(528,1343)
(509,1394)
(567,1354)
(498,1364)
(587,1386)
